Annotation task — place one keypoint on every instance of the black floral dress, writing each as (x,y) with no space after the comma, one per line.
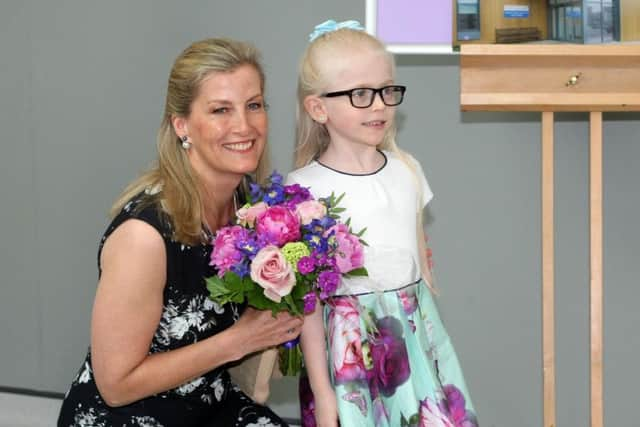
(188,316)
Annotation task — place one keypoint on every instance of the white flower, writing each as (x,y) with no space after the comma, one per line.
(189,387)
(178,327)
(146,421)
(88,419)
(218,389)
(263,422)
(85,376)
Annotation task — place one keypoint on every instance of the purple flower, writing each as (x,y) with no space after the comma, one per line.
(454,404)
(273,195)
(328,282)
(309,302)
(389,354)
(324,260)
(316,242)
(275,178)
(297,192)
(255,191)
(306,265)
(248,246)
(241,269)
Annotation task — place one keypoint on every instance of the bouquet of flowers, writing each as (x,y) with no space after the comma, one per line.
(285,252)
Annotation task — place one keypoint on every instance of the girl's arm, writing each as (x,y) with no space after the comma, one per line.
(314,350)
(426,263)
(126,313)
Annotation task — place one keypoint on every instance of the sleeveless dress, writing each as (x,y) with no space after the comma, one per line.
(188,316)
(390,359)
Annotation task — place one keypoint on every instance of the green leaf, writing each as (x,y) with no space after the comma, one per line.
(216,286)
(220,292)
(358,272)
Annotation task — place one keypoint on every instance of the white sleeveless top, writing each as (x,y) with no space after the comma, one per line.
(385,202)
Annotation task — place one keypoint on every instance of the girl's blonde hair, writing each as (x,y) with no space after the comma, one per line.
(171,182)
(312,138)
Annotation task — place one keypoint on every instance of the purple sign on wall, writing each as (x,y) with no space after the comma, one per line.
(426,22)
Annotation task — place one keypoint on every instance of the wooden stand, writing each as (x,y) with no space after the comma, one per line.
(551,78)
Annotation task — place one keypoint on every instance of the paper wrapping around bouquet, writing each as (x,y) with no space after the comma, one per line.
(254,373)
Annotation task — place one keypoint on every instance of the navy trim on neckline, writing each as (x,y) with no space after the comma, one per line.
(386,160)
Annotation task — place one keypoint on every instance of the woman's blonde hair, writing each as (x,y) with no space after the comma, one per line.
(312,138)
(171,182)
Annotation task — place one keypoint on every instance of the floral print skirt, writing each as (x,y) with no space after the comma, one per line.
(392,363)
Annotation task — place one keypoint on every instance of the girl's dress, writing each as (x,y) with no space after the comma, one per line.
(188,316)
(390,359)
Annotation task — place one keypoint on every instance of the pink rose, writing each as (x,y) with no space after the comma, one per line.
(247,214)
(309,210)
(271,270)
(345,340)
(279,225)
(349,254)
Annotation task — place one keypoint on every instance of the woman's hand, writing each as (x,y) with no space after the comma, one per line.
(259,329)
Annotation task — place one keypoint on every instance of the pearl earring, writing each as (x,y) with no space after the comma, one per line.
(185,142)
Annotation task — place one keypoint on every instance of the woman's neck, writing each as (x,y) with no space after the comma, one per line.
(217,194)
(356,159)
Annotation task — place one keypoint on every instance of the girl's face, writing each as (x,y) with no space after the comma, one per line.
(349,69)
(227,125)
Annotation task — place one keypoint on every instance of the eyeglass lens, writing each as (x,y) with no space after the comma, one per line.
(364,97)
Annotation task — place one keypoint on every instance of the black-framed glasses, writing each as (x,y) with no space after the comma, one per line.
(363,97)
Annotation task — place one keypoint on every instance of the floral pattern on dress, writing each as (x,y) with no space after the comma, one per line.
(391,363)
(184,319)
(188,316)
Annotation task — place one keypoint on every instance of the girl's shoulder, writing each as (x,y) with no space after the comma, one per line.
(312,171)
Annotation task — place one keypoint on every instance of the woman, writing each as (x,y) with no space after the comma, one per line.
(159,346)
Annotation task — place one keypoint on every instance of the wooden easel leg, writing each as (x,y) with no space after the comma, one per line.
(596,267)
(548,315)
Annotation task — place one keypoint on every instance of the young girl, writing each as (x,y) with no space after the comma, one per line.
(378,354)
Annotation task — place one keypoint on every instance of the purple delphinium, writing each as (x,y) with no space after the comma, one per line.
(273,195)
(248,246)
(241,269)
(316,242)
(275,178)
(255,191)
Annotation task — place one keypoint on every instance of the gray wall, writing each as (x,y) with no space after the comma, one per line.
(82,87)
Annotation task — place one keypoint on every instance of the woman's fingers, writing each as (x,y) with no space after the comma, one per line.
(268,330)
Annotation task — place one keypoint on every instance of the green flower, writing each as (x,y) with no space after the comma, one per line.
(293,251)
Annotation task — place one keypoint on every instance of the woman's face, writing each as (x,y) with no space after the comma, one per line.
(227,125)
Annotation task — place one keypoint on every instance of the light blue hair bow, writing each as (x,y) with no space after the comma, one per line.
(331,25)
